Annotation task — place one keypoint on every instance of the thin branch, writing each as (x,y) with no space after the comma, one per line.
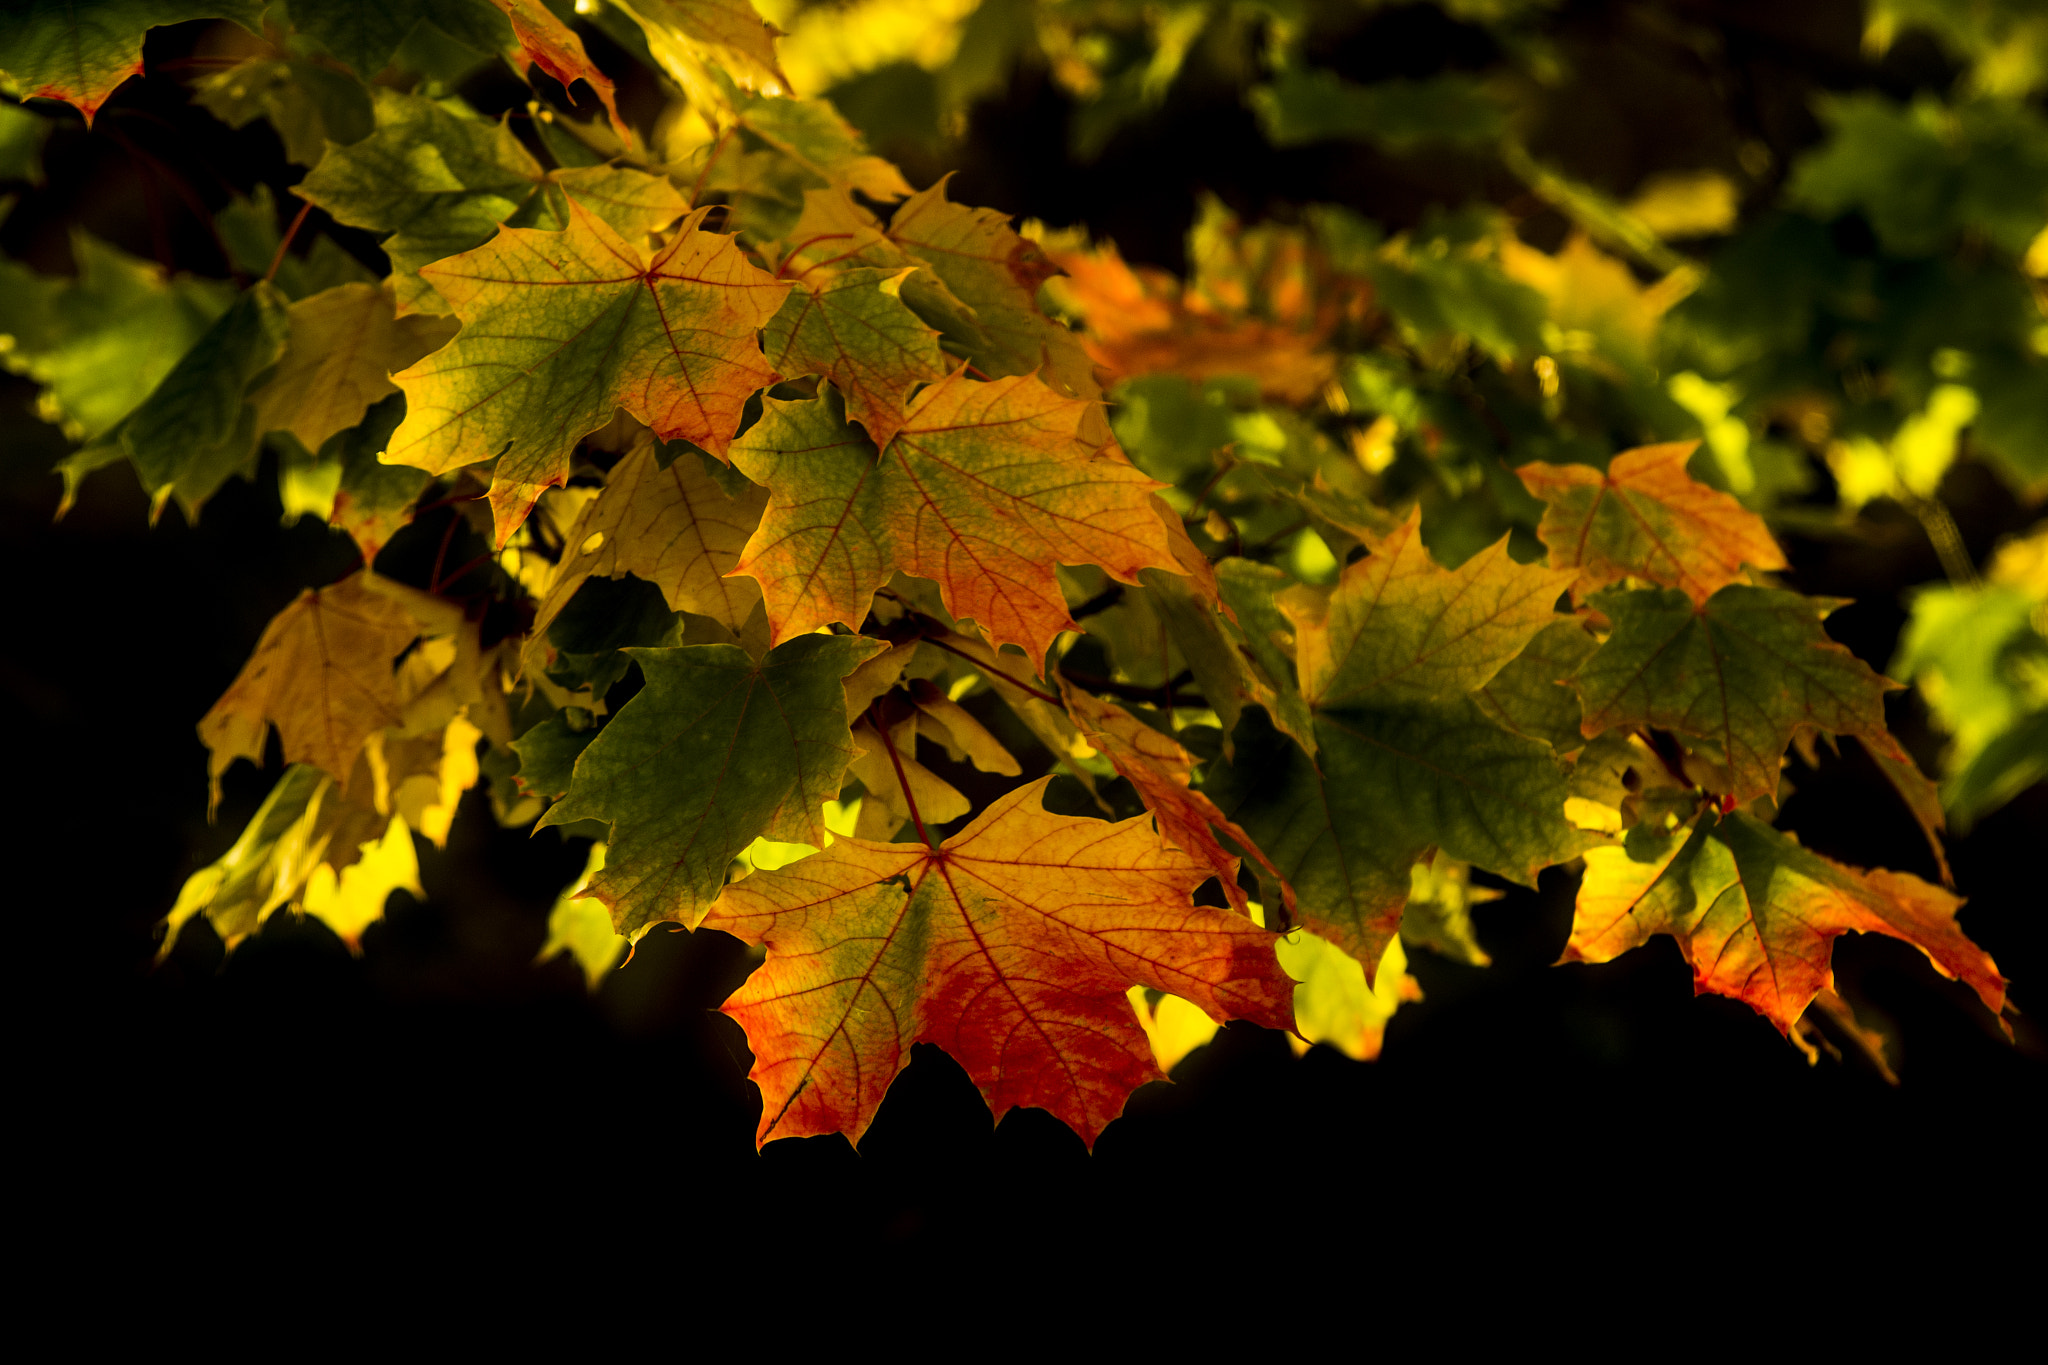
(1168,692)
(284,245)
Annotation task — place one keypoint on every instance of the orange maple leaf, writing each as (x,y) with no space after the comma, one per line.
(548,43)
(1757,915)
(1011,946)
(1138,324)
(1647,518)
(984,489)
(562,329)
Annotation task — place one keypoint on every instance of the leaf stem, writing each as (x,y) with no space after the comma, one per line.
(903,781)
(1947,538)
(440,555)
(1009,678)
(697,185)
(284,245)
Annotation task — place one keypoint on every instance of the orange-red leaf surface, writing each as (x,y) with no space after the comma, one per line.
(986,487)
(562,329)
(1161,770)
(1011,946)
(1138,325)
(553,46)
(1647,518)
(1757,915)
(322,673)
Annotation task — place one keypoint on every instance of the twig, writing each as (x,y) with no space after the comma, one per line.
(305,207)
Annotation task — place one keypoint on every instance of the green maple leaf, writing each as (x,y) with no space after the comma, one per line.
(855,330)
(814,135)
(1744,671)
(437,182)
(563,329)
(197,428)
(99,344)
(78,51)
(714,752)
(1532,696)
(1406,759)
(372,500)
(362,33)
(979,285)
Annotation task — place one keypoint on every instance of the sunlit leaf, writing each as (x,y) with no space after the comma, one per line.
(985,487)
(1647,518)
(562,329)
(1011,946)
(1757,915)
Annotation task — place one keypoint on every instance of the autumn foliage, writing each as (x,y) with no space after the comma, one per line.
(1272,603)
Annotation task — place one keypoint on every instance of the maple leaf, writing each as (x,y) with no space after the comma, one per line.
(1647,518)
(80,53)
(1336,1002)
(1163,773)
(1533,696)
(1433,631)
(985,487)
(1745,671)
(1240,646)
(691,38)
(834,232)
(322,674)
(855,330)
(196,429)
(713,752)
(1592,292)
(633,202)
(302,826)
(818,138)
(102,342)
(437,182)
(675,528)
(1138,325)
(344,343)
(373,499)
(1405,758)
(562,329)
(992,270)
(1757,915)
(365,33)
(1011,946)
(548,43)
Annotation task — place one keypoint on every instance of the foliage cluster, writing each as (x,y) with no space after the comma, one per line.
(1032,653)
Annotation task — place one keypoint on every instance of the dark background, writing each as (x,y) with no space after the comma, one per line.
(442,1080)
